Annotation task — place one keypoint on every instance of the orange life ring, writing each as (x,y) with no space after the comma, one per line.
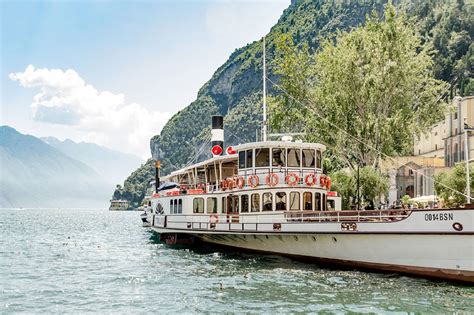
(230,183)
(310,179)
(322,180)
(272,179)
(213,218)
(223,184)
(292,179)
(240,181)
(253,181)
(328,183)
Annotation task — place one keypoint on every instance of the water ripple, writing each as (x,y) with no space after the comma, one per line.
(58,261)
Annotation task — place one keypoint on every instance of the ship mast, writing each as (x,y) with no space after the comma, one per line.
(264,77)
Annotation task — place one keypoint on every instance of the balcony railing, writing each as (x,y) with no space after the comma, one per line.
(347,216)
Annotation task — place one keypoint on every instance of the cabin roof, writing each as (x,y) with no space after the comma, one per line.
(280,144)
(246,146)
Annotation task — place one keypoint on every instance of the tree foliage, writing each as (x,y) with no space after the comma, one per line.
(374,83)
(372,185)
(447,30)
(449,183)
(295,68)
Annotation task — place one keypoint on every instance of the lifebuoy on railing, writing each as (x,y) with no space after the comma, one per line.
(214,218)
(292,179)
(230,183)
(271,179)
(310,179)
(223,184)
(322,180)
(253,181)
(328,183)
(240,182)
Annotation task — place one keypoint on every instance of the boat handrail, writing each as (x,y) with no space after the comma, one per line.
(347,215)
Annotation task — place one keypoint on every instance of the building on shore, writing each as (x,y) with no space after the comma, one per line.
(118,205)
(442,147)
(446,139)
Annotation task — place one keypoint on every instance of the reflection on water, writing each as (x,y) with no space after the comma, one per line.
(100,261)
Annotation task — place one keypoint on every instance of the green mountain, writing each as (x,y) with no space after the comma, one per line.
(34,174)
(446,27)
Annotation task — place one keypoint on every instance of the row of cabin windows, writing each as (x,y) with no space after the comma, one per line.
(280,158)
(176,206)
(264,202)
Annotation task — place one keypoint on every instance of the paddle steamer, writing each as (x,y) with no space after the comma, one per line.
(274,197)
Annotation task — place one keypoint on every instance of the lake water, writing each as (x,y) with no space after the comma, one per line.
(82,261)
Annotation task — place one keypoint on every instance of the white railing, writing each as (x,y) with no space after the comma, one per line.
(204,221)
(347,216)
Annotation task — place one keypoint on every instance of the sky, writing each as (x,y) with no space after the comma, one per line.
(113,72)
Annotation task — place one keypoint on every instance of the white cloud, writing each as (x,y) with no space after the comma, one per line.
(99,116)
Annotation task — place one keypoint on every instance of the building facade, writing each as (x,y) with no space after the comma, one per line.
(447,138)
(439,149)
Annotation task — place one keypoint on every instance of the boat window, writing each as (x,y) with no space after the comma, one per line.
(308,158)
(235,204)
(198,205)
(331,205)
(294,200)
(171,206)
(307,201)
(267,202)
(180,205)
(224,204)
(294,157)
(244,201)
(175,205)
(280,201)
(324,202)
(249,159)
(317,201)
(318,158)
(255,202)
(262,157)
(278,159)
(211,205)
(242,159)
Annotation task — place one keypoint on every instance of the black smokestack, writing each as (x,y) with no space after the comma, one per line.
(217,135)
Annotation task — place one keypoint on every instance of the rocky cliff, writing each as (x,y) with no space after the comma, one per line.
(235,88)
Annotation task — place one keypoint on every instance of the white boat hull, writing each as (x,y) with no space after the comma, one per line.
(431,255)
(417,244)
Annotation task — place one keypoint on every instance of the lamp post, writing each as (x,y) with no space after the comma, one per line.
(358,187)
(157,175)
(466,156)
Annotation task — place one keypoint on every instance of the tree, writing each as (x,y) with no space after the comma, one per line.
(373,185)
(448,184)
(374,83)
(406,200)
(296,69)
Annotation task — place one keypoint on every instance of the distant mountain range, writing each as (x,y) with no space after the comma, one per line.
(53,173)
(112,165)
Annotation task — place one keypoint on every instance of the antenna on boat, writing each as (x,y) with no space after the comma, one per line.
(264,77)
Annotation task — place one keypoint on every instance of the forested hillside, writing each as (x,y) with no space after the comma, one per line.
(446,27)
